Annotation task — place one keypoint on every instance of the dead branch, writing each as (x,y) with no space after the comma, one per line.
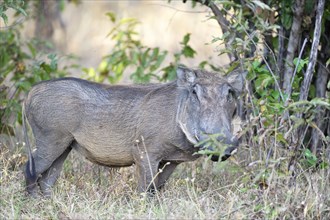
(293,43)
(314,50)
(222,21)
(301,131)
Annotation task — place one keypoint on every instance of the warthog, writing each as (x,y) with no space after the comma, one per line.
(154,126)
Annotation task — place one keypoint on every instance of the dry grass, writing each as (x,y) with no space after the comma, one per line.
(197,190)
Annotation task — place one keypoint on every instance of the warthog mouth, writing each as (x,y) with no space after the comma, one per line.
(227,153)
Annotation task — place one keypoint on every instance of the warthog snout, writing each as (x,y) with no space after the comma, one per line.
(231,145)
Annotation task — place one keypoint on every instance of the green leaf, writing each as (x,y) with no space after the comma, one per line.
(232,67)
(202,64)
(275,94)
(280,137)
(186,39)
(320,101)
(310,157)
(301,65)
(21,10)
(112,16)
(323,165)
(61,5)
(155,53)
(261,5)
(46,67)
(5,18)
(263,80)
(286,19)
(53,61)
(188,52)
(24,85)
(32,49)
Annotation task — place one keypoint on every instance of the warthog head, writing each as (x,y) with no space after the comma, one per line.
(208,106)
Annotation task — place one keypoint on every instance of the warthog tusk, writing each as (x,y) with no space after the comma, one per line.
(185,131)
(233,152)
(197,138)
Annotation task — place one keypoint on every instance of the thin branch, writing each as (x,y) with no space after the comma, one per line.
(222,21)
(289,90)
(176,9)
(17,22)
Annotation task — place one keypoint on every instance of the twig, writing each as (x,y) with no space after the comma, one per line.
(17,22)
(150,167)
(295,71)
(153,176)
(222,21)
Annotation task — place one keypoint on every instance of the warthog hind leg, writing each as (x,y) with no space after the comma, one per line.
(49,177)
(51,150)
(31,178)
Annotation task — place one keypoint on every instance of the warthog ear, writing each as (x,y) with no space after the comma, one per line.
(236,80)
(186,77)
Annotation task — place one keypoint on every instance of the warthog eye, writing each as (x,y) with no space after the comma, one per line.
(235,112)
(194,90)
(230,96)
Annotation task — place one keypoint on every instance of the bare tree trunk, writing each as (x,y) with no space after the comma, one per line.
(323,73)
(321,121)
(293,43)
(301,130)
(281,54)
(314,50)
(44,27)
(48,15)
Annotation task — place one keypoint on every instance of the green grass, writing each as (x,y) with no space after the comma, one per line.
(237,189)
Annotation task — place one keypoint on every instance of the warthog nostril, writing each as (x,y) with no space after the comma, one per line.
(215,158)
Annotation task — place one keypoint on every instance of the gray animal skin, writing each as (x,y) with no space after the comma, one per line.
(154,126)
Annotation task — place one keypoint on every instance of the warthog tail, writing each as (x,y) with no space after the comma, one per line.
(30,170)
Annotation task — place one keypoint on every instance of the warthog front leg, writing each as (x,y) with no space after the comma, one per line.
(165,170)
(152,176)
(147,176)
(147,165)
